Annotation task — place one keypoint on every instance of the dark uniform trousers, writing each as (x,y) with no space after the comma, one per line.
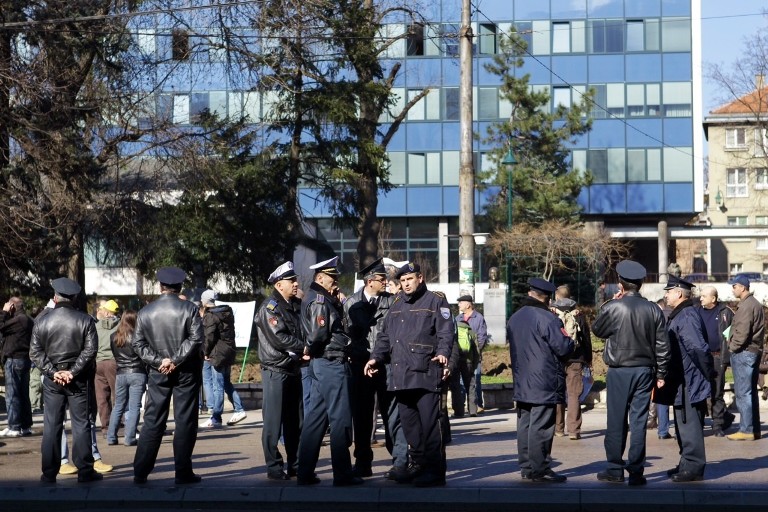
(183,385)
(328,404)
(535,431)
(629,395)
(282,411)
(79,396)
(718,390)
(420,418)
(689,425)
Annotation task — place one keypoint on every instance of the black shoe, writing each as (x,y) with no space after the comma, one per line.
(651,424)
(291,473)
(671,472)
(429,480)
(313,480)
(188,479)
(362,471)
(605,476)
(635,480)
(718,433)
(89,477)
(278,475)
(458,415)
(549,476)
(525,475)
(139,480)
(667,436)
(47,479)
(410,473)
(111,443)
(686,476)
(728,420)
(392,472)
(346,482)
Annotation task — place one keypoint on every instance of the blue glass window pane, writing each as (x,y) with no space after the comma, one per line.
(494,9)
(675,7)
(450,137)
(424,200)
(607,133)
(538,69)
(312,205)
(606,8)
(645,198)
(643,68)
(614,36)
(571,68)
(391,203)
(678,197)
(596,36)
(531,10)
(607,199)
(569,10)
(642,8)
(397,143)
(678,132)
(423,137)
(450,200)
(606,68)
(677,67)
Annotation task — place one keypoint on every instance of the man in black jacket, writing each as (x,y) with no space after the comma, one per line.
(16,332)
(327,344)
(64,345)
(637,353)
(169,338)
(281,350)
(417,338)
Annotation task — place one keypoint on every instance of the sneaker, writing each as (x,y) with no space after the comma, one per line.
(8,432)
(741,436)
(101,467)
(26,432)
(67,469)
(210,423)
(237,418)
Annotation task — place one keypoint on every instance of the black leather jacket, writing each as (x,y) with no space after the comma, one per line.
(363,322)
(126,359)
(635,333)
(322,321)
(278,328)
(64,339)
(168,328)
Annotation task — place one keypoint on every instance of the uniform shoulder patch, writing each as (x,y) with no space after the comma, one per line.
(440,294)
(272,321)
(445,312)
(272,304)
(319,299)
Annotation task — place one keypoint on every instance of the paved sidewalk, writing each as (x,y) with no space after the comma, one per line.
(483,475)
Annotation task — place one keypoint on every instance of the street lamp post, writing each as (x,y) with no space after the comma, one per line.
(509,161)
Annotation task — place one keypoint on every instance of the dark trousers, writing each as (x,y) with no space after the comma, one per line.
(106,390)
(328,405)
(420,417)
(463,390)
(183,385)
(718,390)
(574,385)
(629,394)
(364,393)
(78,396)
(282,411)
(689,426)
(535,431)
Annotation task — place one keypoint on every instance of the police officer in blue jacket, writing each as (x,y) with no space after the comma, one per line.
(692,365)
(417,337)
(538,346)
(328,345)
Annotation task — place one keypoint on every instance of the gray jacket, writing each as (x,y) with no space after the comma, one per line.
(747,327)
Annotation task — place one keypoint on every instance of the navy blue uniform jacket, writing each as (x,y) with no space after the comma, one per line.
(538,346)
(417,328)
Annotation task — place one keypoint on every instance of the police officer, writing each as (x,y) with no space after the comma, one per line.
(691,360)
(168,338)
(636,353)
(364,314)
(327,344)
(538,347)
(63,346)
(417,337)
(281,348)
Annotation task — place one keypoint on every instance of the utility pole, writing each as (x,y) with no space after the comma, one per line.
(466,165)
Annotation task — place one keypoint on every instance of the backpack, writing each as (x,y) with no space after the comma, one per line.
(467,339)
(571,326)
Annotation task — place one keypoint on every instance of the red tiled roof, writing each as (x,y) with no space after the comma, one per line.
(752,103)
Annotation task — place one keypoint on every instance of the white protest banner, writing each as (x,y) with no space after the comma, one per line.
(244,312)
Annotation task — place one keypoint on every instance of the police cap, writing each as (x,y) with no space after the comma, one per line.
(65,287)
(408,268)
(676,282)
(171,275)
(541,285)
(327,267)
(284,271)
(630,270)
(375,268)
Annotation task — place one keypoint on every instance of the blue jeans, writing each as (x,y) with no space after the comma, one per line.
(206,402)
(17,393)
(662,413)
(221,385)
(129,389)
(479,384)
(745,375)
(94,448)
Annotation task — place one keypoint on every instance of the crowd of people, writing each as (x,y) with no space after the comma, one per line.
(331,364)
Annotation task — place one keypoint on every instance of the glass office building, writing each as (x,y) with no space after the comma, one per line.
(642,57)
